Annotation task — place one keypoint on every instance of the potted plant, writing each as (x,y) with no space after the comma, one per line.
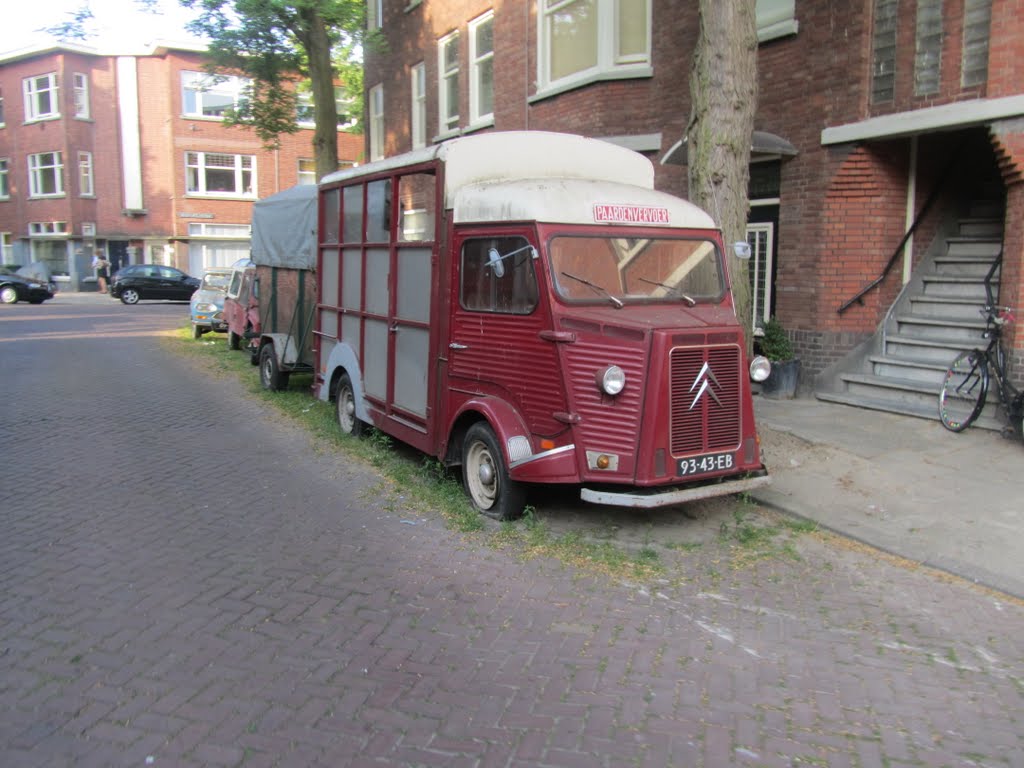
(774,344)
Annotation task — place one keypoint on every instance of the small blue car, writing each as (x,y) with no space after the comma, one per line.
(207,304)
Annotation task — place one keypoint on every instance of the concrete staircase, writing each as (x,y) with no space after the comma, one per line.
(936,317)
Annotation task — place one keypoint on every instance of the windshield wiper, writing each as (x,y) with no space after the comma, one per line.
(616,301)
(672,288)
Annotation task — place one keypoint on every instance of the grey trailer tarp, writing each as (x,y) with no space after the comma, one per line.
(284,229)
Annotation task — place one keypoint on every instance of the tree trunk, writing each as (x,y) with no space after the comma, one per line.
(317,43)
(723,91)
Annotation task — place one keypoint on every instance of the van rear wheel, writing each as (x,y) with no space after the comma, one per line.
(485,476)
(345,399)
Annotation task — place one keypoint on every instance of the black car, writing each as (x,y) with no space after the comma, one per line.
(21,287)
(152,281)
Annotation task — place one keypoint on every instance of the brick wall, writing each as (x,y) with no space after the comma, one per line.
(842,208)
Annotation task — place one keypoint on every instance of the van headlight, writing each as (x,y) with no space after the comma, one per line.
(611,380)
(760,368)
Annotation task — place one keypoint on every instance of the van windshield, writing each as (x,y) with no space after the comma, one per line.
(619,271)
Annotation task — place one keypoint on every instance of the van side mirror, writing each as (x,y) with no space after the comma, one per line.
(494,261)
(741,249)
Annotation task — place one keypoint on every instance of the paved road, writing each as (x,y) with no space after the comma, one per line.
(184,580)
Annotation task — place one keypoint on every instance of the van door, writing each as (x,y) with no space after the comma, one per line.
(495,345)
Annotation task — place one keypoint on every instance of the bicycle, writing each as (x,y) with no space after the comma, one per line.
(966,384)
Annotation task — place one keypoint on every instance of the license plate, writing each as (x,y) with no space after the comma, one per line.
(701,465)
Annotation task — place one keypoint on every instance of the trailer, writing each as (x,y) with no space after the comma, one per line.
(284,252)
(526,306)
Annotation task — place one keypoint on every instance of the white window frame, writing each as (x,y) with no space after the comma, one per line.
(80,84)
(760,270)
(86,186)
(306,174)
(6,247)
(37,169)
(34,111)
(304,116)
(374,14)
(775,19)
(418,87)
(447,123)
(202,83)
(5,178)
(376,113)
(609,66)
(477,61)
(197,171)
(47,229)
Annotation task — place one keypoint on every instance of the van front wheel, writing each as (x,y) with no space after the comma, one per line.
(485,476)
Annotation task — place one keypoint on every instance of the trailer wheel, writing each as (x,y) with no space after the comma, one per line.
(234,340)
(271,376)
(485,476)
(345,399)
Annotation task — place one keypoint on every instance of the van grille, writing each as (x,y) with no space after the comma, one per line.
(705,424)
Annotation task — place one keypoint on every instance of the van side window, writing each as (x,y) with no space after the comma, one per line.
(506,286)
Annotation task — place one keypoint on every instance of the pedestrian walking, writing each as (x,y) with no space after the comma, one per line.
(102,267)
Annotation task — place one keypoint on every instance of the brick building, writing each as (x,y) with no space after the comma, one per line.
(126,154)
(886,130)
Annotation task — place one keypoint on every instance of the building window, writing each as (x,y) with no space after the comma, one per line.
(977,20)
(304,110)
(481,68)
(234,231)
(5,181)
(419,106)
(45,175)
(377,122)
(81,87)
(2,123)
(589,39)
(775,19)
(205,95)
(6,248)
(307,171)
(41,102)
(374,14)
(883,55)
(927,47)
(448,82)
(85,174)
(47,228)
(216,174)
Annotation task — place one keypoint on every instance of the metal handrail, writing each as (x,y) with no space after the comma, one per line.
(859,298)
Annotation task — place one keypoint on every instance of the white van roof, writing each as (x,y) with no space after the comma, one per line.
(544,176)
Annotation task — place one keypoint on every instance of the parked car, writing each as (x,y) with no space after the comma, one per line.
(23,284)
(207,304)
(152,281)
(242,309)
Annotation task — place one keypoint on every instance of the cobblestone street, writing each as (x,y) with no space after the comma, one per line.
(186,580)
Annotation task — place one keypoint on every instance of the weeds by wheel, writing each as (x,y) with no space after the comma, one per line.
(963,391)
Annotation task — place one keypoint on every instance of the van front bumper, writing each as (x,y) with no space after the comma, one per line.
(664,497)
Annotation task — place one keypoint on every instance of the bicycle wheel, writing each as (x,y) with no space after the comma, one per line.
(963,391)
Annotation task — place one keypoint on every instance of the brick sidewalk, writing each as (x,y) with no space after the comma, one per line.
(185,580)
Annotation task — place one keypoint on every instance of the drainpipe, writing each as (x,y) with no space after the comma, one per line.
(908,249)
